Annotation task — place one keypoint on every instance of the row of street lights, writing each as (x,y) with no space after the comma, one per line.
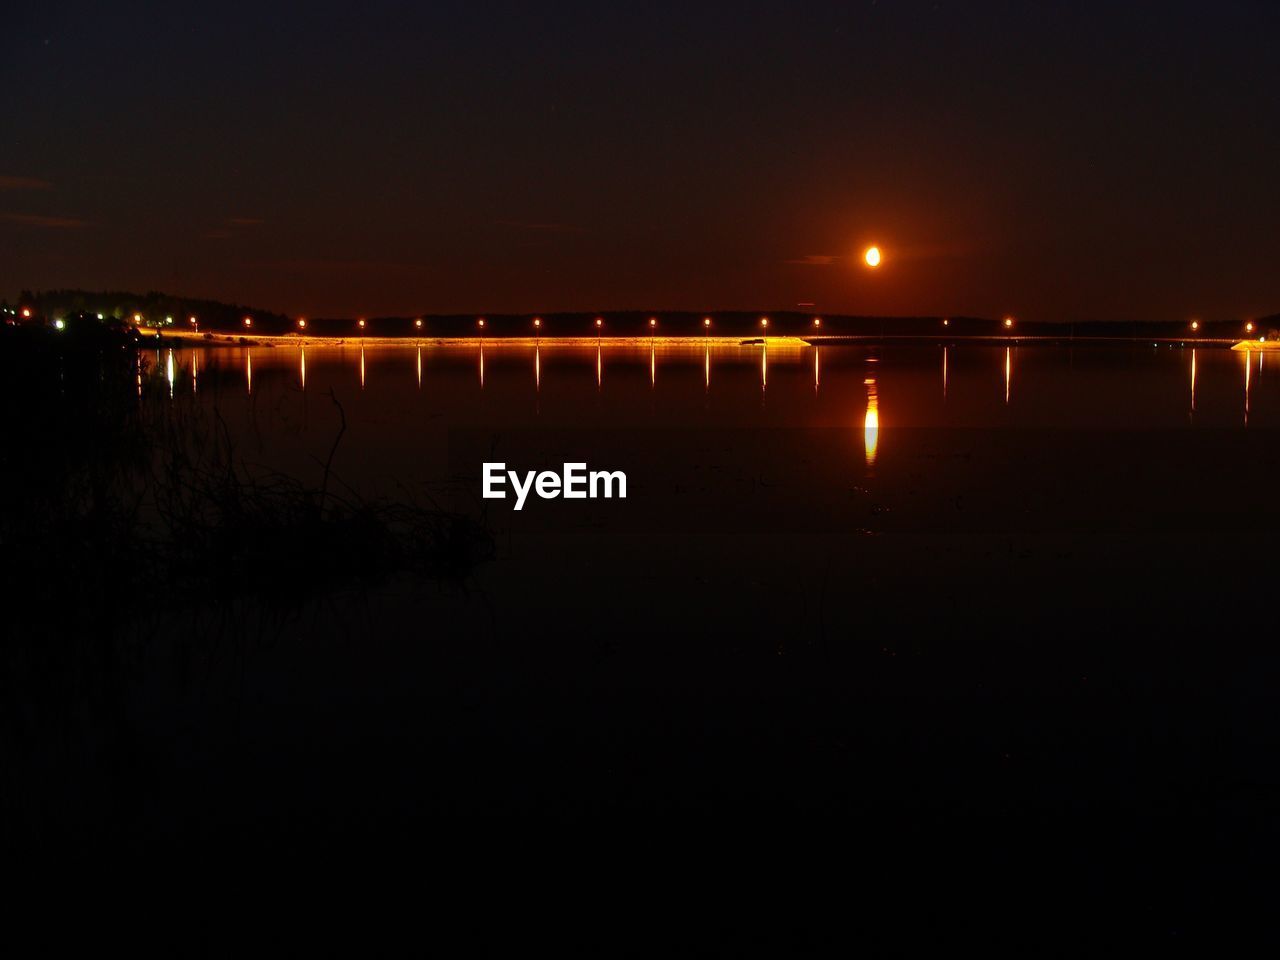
(1007,322)
(537,322)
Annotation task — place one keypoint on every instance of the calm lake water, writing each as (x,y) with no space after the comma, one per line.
(1028,385)
(976,598)
(721,431)
(898,458)
(1072,507)
(395,394)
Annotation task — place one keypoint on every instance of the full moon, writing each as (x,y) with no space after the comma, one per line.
(872,256)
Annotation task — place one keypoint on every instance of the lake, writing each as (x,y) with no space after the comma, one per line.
(1011,602)
(395,396)
(797,478)
(743,440)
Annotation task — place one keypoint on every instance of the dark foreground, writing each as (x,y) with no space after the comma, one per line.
(993,710)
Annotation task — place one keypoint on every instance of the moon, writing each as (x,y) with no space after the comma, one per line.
(872,256)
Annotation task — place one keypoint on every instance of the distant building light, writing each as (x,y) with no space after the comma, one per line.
(59,323)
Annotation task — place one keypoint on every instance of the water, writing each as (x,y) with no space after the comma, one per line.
(1012,599)
(394,395)
(750,439)
(810,480)
(778,385)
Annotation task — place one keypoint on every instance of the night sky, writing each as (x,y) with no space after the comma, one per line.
(1055,161)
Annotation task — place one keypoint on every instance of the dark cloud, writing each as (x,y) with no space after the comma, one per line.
(24,183)
(542,227)
(306,265)
(52,223)
(815,260)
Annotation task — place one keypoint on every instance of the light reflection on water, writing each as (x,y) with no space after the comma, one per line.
(1113,386)
(1008,372)
(1248,365)
(871,422)
(918,417)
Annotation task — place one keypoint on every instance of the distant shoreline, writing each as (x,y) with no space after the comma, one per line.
(182,316)
(220,339)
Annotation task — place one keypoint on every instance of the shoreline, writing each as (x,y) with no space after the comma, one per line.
(219,339)
(296,340)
